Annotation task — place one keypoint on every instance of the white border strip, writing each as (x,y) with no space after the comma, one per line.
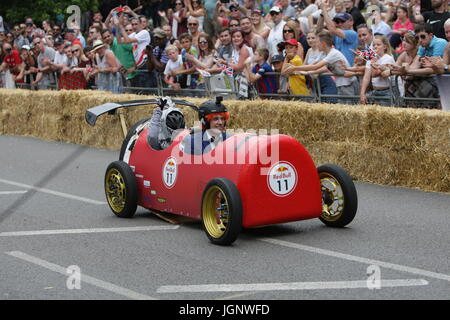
(84,278)
(360,284)
(78,231)
(12,192)
(55,193)
(387,265)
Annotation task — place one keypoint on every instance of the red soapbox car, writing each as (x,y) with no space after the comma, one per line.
(247,181)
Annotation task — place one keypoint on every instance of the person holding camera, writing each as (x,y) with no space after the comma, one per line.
(139,39)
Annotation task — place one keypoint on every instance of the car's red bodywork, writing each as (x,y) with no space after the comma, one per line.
(173,181)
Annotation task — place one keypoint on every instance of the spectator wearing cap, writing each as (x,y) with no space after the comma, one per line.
(235,11)
(71,37)
(283,83)
(123,52)
(436,18)
(108,77)
(341,27)
(276,34)
(60,60)
(297,82)
(158,57)
(291,31)
(259,25)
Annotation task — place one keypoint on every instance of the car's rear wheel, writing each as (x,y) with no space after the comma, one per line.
(121,189)
(339,197)
(130,134)
(221,211)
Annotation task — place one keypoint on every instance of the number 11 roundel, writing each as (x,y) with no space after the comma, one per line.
(282,179)
(169,173)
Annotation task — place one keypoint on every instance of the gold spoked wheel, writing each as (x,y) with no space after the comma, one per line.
(121,189)
(115,190)
(339,197)
(221,211)
(332,197)
(215,212)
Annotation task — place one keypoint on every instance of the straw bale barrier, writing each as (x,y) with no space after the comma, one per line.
(390,146)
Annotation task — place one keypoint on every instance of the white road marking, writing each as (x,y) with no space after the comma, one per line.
(289,286)
(52,192)
(84,278)
(387,265)
(13,192)
(77,231)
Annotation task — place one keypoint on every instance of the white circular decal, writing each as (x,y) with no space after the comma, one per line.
(282,179)
(170,171)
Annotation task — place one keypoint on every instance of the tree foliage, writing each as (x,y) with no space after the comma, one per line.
(15,11)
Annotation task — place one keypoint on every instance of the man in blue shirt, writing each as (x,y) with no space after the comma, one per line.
(430,45)
(341,27)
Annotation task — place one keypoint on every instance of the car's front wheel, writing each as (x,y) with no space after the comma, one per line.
(339,197)
(221,211)
(121,189)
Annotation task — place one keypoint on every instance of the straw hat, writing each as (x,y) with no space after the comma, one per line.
(97,45)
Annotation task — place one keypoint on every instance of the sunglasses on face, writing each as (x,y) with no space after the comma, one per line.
(203,42)
(234,25)
(288,31)
(274,13)
(76,50)
(129,30)
(423,36)
(192,24)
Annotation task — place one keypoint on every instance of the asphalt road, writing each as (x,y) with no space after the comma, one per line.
(59,240)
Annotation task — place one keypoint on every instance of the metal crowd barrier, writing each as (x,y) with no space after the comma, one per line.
(231,91)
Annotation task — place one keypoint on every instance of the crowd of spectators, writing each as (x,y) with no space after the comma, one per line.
(353,47)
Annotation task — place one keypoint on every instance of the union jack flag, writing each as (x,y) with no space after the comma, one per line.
(367,54)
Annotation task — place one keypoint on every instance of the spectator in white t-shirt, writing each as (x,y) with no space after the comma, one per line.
(335,62)
(140,39)
(378,72)
(175,62)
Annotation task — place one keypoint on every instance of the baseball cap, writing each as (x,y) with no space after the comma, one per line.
(159,33)
(275,9)
(292,42)
(277,58)
(257,11)
(26,47)
(343,16)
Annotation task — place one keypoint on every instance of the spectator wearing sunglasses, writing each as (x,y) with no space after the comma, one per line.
(177,18)
(46,54)
(430,45)
(276,34)
(196,10)
(193,27)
